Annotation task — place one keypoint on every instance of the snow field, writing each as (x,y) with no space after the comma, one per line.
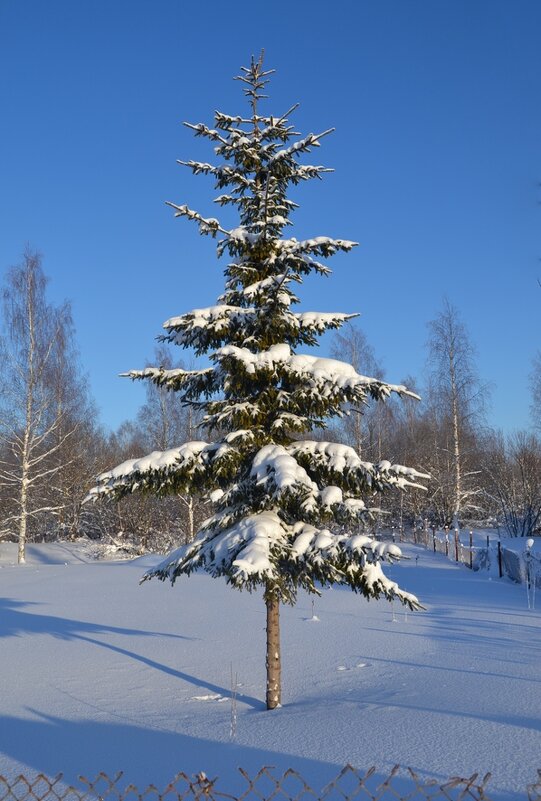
(101,674)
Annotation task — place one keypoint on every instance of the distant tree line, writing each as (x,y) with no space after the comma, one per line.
(479,476)
(52,444)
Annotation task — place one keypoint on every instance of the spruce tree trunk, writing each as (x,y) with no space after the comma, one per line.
(274,664)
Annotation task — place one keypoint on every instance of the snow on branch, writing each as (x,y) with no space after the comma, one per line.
(193,464)
(203,130)
(319,322)
(211,326)
(273,465)
(241,550)
(301,146)
(192,382)
(224,173)
(218,316)
(338,462)
(242,235)
(319,245)
(278,128)
(302,481)
(130,474)
(281,478)
(207,225)
(305,172)
(263,547)
(258,535)
(321,372)
(225,121)
(267,284)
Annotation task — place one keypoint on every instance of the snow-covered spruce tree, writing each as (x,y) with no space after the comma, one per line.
(287,508)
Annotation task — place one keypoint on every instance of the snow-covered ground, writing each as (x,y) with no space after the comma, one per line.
(101,674)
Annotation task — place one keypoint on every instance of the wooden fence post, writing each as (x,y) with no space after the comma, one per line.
(471,550)
(447,541)
(500,566)
(456,545)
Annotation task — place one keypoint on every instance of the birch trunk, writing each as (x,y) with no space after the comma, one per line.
(456,440)
(29,411)
(21,553)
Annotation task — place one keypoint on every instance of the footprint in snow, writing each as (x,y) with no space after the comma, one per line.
(358,665)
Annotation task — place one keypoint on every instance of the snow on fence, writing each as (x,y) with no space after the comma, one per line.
(522,566)
(514,559)
(456,545)
(401,785)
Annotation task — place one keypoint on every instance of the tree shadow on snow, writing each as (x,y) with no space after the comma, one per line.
(444,668)
(249,700)
(461,625)
(50,744)
(40,554)
(15,621)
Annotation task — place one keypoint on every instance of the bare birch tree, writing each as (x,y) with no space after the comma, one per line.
(144,522)
(513,466)
(362,427)
(457,397)
(409,437)
(163,421)
(34,426)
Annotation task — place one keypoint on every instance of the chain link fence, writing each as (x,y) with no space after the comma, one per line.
(349,785)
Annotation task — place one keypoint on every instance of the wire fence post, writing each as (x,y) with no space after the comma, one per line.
(530,576)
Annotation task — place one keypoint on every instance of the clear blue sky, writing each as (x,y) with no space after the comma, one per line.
(437,112)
